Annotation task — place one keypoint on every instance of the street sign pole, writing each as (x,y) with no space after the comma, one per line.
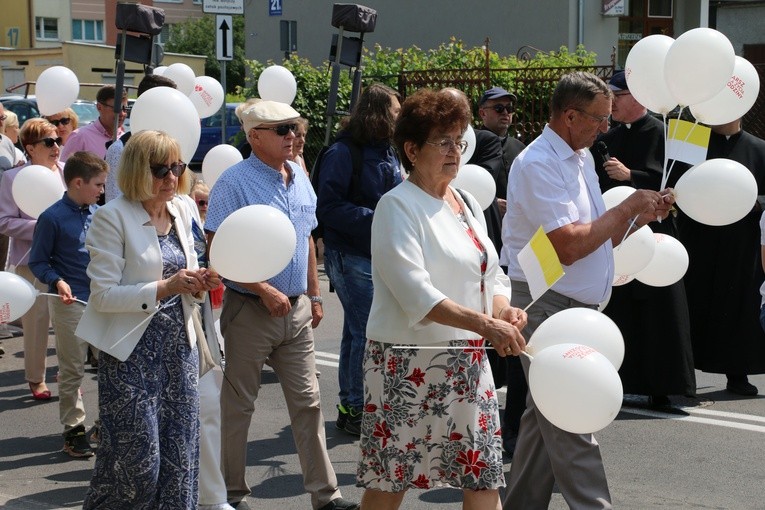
(224,49)
(224,111)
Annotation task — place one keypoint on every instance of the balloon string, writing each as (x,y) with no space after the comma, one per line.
(627,233)
(56,295)
(148,317)
(447,347)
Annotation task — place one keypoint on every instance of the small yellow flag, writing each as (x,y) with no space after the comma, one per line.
(687,142)
(540,264)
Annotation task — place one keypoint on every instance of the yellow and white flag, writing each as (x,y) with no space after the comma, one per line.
(540,264)
(687,142)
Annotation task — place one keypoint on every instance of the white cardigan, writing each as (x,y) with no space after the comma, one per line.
(422,255)
(125,266)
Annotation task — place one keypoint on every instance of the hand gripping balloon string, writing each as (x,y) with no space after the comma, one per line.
(56,295)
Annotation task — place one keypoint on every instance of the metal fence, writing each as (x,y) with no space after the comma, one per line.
(754,120)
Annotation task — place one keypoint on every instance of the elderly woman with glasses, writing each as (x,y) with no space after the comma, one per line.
(41,143)
(431,416)
(145,281)
(66,122)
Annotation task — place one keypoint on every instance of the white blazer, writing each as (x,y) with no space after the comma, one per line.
(125,266)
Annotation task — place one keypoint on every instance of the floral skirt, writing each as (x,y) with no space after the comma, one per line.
(431,419)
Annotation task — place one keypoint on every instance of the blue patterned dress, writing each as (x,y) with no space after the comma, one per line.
(148,455)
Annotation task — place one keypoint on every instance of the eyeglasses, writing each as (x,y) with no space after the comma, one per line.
(202,203)
(49,142)
(281,129)
(111,107)
(446,145)
(625,93)
(161,171)
(500,108)
(597,118)
(3,117)
(64,121)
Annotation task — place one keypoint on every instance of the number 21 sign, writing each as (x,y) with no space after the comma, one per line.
(274,7)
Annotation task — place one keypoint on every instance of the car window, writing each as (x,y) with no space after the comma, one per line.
(86,112)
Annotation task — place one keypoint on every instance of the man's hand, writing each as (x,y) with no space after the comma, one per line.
(65,292)
(502,205)
(616,170)
(317,313)
(277,303)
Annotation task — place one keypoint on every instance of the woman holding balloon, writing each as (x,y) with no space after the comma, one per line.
(145,281)
(41,143)
(431,416)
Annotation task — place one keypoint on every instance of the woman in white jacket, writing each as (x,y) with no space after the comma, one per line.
(431,414)
(144,282)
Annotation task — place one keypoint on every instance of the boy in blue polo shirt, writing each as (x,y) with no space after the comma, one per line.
(59,259)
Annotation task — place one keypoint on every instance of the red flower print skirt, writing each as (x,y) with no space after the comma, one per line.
(431,419)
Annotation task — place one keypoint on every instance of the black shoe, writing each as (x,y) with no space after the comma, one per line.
(342,417)
(76,443)
(741,386)
(349,420)
(659,401)
(340,504)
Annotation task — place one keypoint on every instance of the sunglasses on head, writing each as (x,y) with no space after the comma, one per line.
(160,171)
(499,108)
(49,142)
(63,121)
(281,129)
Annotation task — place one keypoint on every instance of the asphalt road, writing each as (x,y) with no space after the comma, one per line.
(712,456)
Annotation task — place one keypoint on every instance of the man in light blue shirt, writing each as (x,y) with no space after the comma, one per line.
(273,319)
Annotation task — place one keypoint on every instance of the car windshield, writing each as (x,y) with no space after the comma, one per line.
(86,111)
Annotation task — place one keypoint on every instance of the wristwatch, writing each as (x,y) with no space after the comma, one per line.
(316,299)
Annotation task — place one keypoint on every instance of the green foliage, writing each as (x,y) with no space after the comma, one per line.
(197,37)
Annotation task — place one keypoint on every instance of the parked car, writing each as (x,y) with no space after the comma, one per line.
(86,111)
(211,133)
(26,108)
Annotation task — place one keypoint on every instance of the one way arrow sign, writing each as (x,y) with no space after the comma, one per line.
(224,40)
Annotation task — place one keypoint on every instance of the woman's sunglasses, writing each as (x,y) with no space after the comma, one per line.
(160,171)
(202,202)
(64,121)
(50,142)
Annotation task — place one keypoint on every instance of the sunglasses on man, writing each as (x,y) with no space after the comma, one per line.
(63,121)
(281,129)
(161,171)
(49,142)
(500,108)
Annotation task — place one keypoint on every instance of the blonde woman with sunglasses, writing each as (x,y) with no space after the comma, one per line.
(66,122)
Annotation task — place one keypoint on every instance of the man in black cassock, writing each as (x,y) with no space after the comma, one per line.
(495,150)
(654,321)
(725,274)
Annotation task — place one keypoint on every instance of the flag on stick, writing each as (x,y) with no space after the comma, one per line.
(540,264)
(687,142)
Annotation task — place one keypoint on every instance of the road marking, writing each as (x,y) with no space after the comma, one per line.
(695,419)
(325,362)
(724,414)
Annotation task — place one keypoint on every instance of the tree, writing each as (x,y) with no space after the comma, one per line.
(197,37)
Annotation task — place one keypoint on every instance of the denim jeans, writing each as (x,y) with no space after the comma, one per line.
(351,276)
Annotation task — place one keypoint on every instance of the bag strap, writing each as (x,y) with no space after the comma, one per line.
(465,199)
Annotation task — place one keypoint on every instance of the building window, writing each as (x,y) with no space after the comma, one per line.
(46,28)
(90,30)
(660,8)
(164,35)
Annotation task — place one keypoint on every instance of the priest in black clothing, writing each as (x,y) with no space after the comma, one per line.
(725,274)
(658,359)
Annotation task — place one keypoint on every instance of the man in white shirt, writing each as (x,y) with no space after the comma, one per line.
(553,183)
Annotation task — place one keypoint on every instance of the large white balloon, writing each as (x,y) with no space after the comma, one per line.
(616,195)
(16,296)
(469,137)
(698,65)
(580,326)
(253,244)
(635,252)
(169,110)
(217,160)
(36,188)
(477,181)
(56,89)
(716,192)
(734,100)
(277,83)
(182,75)
(622,279)
(575,387)
(159,71)
(207,96)
(668,265)
(644,71)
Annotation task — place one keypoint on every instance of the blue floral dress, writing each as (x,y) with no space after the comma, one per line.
(148,454)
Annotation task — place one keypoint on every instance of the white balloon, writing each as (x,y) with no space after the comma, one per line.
(668,265)
(635,252)
(182,75)
(16,296)
(160,71)
(56,89)
(582,326)
(207,96)
(469,137)
(644,71)
(616,195)
(253,244)
(169,110)
(698,65)
(36,188)
(622,279)
(477,181)
(575,387)
(734,100)
(277,83)
(716,192)
(217,160)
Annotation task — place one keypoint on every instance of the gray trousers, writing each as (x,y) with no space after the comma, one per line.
(544,453)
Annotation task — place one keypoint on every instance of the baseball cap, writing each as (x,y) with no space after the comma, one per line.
(618,81)
(495,93)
